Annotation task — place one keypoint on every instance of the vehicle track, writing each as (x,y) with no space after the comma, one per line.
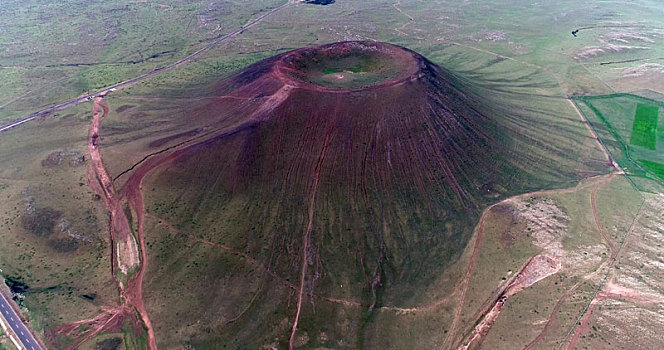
(307,237)
(553,316)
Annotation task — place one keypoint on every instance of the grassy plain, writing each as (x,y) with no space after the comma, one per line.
(57,51)
(561,224)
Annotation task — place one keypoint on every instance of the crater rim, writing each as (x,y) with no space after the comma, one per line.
(349,66)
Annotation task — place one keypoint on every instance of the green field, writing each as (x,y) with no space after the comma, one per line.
(628,126)
(653,167)
(644,129)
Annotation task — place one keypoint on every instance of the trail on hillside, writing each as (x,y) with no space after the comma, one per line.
(251,261)
(610,291)
(110,320)
(553,316)
(130,194)
(307,237)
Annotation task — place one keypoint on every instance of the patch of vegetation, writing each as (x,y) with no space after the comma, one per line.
(56,158)
(89,297)
(16,284)
(63,245)
(135,336)
(644,129)
(40,221)
(653,167)
(109,344)
(320,2)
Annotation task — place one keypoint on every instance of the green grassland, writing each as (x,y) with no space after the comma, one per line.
(525,313)
(653,167)
(49,58)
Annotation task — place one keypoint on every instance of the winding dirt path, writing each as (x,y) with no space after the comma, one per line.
(586,123)
(610,291)
(553,316)
(135,285)
(451,335)
(410,18)
(593,204)
(133,292)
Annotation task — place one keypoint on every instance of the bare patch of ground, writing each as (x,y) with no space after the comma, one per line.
(641,70)
(127,254)
(545,222)
(620,40)
(73,158)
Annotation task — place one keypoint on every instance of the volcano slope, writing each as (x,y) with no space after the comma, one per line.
(318,188)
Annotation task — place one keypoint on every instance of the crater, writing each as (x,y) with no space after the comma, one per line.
(349,65)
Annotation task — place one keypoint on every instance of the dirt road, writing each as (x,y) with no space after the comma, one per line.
(124,249)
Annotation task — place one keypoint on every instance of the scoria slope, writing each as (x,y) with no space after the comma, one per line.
(317,188)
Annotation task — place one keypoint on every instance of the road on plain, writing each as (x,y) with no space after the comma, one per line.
(25,338)
(102,92)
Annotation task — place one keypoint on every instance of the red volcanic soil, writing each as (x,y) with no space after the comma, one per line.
(371,182)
